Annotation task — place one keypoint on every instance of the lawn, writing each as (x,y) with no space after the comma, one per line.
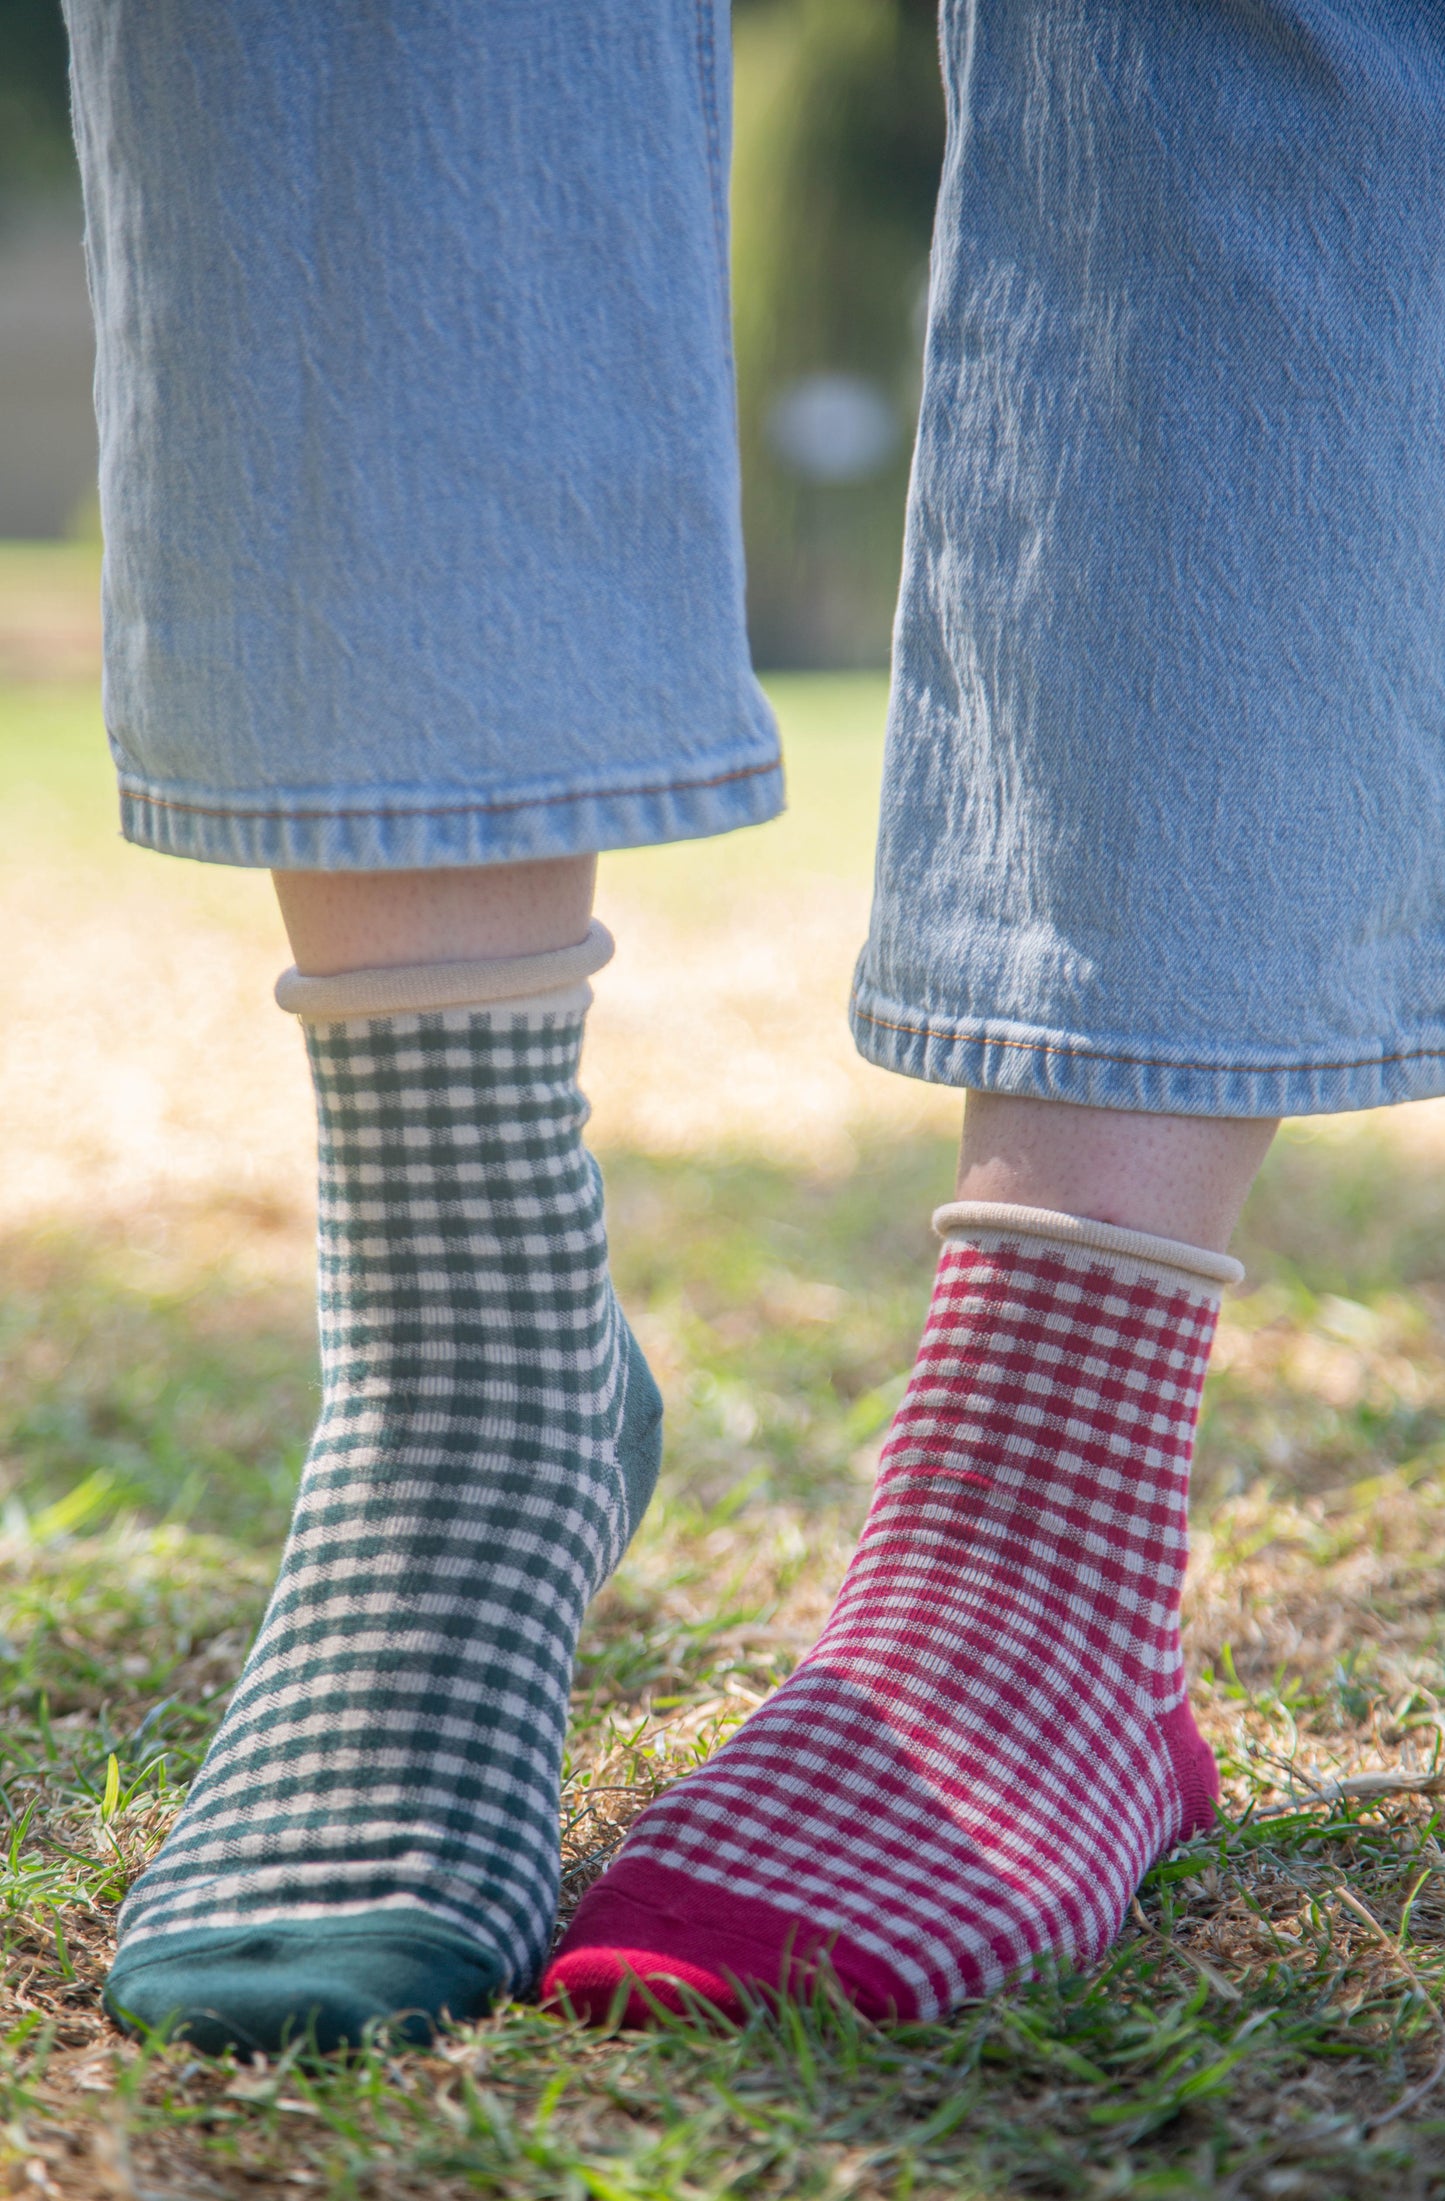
(1272,2023)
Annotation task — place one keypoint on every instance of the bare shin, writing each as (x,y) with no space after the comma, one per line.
(1182,1177)
(375,920)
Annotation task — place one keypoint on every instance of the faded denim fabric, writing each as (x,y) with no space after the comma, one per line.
(419,486)
(418,469)
(1164,810)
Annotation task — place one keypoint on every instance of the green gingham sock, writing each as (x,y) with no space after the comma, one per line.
(375,1829)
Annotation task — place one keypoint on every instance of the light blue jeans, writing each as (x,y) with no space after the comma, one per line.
(415,391)
(419,488)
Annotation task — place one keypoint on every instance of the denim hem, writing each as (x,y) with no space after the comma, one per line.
(1098,1073)
(333,834)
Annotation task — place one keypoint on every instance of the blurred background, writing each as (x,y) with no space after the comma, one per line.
(47,434)
(839,136)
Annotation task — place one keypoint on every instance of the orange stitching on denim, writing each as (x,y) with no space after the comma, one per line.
(460,809)
(1149,1062)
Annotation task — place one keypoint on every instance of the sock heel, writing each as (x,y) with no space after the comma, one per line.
(1194,1769)
(639,1440)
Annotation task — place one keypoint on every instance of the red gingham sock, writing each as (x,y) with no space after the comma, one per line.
(990,1743)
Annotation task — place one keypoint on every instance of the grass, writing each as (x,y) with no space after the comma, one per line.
(1273,2021)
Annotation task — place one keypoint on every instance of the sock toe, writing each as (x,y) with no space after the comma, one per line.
(267,1986)
(587,1981)
(647,1925)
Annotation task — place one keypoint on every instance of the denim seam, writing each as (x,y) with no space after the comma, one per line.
(137,791)
(1140,1062)
(712,128)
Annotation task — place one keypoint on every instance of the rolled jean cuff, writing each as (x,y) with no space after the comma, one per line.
(365,831)
(981,1055)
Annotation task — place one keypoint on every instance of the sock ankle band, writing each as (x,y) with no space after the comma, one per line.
(985,1222)
(516,980)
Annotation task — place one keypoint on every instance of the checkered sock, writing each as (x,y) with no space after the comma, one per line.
(991,1743)
(375,1828)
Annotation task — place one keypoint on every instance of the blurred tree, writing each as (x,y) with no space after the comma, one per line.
(35,149)
(839,142)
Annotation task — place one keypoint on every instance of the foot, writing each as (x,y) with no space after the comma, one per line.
(990,1744)
(374,1834)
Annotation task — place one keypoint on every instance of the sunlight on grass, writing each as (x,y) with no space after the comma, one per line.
(1279,1989)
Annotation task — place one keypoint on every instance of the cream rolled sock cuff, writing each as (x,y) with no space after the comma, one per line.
(1167,1260)
(555,981)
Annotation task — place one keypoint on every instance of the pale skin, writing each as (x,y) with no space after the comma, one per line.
(1182,1177)
(380,920)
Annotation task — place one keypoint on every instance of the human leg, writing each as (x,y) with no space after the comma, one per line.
(405,586)
(374,1831)
(991,1740)
(1162,806)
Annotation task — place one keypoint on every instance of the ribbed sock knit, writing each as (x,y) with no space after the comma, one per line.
(990,1744)
(375,1828)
